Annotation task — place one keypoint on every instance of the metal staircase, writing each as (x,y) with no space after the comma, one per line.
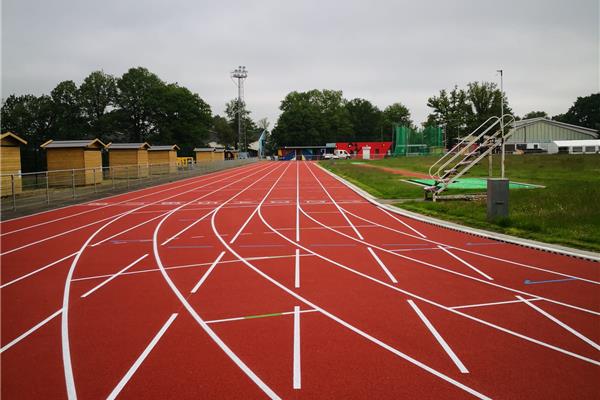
(467,153)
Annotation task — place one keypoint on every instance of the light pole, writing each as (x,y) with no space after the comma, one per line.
(240,73)
(502,121)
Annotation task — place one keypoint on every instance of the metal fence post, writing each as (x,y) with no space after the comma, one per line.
(14,195)
(47,189)
(73,181)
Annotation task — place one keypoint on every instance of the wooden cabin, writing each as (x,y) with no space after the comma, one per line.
(231,154)
(203,154)
(163,159)
(128,160)
(74,161)
(10,163)
(218,154)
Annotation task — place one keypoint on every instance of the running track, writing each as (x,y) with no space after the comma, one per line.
(274,280)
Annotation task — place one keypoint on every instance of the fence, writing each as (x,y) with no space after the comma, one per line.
(408,141)
(38,190)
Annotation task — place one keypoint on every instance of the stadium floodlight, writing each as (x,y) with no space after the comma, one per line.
(240,73)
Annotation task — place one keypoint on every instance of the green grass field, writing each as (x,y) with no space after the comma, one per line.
(566,211)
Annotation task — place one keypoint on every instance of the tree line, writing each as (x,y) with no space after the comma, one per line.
(136,107)
(323,116)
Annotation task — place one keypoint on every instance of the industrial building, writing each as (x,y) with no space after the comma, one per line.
(536,134)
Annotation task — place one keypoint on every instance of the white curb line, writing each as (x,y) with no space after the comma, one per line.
(567,251)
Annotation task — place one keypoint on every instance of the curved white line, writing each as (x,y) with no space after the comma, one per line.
(66,348)
(263,386)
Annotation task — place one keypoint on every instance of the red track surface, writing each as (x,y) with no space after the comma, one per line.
(130,303)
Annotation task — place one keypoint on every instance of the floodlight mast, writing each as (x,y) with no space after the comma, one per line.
(240,73)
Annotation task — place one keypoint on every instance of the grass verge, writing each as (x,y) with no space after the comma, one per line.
(566,212)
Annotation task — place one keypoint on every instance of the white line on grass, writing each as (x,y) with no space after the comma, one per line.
(113,395)
(113,276)
(208,271)
(382,265)
(439,338)
(297,374)
(560,323)
(486,276)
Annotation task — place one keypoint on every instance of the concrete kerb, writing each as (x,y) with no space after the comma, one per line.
(567,251)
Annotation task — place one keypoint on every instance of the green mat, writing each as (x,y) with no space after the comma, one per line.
(473,183)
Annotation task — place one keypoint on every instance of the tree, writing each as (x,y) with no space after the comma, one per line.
(486,101)
(394,114)
(365,119)
(248,127)
(312,118)
(69,119)
(34,119)
(182,117)
(225,134)
(451,110)
(584,112)
(138,98)
(97,93)
(535,114)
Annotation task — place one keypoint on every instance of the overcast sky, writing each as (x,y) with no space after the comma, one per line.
(384,51)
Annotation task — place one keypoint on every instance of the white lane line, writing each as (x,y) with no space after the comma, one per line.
(126,230)
(474,252)
(439,338)
(560,323)
(486,276)
(416,260)
(297,202)
(337,205)
(233,239)
(187,227)
(297,270)
(183,300)
(113,276)
(416,296)
(341,321)
(64,326)
(143,271)
(194,180)
(217,321)
(402,222)
(382,265)
(113,395)
(297,374)
(37,270)
(29,332)
(492,304)
(208,271)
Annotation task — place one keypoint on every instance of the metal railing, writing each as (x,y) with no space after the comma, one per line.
(38,190)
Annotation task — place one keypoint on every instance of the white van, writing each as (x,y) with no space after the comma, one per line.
(337,154)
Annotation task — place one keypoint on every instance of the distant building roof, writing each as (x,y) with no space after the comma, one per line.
(164,148)
(207,149)
(128,146)
(253,146)
(526,122)
(12,137)
(59,144)
(569,143)
(215,144)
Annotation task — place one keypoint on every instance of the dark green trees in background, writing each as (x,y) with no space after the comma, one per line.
(324,116)
(584,112)
(136,107)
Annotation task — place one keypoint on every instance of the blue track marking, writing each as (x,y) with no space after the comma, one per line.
(528,282)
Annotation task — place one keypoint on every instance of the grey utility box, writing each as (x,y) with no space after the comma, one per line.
(497,198)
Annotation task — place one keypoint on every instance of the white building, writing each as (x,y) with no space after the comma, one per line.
(574,146)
